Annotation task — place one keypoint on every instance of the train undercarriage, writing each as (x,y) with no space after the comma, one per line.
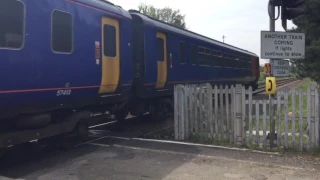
(65,128)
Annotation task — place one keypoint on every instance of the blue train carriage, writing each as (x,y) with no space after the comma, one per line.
(61,60)
(165,55)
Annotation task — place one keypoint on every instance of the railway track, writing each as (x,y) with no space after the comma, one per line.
(139,127)
(280,83)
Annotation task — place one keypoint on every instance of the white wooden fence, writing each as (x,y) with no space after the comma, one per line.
(231,115)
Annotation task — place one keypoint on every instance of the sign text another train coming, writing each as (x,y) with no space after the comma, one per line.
(282,45)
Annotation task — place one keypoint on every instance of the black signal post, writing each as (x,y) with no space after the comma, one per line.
(290,10)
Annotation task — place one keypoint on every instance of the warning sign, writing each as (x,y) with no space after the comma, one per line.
(280,68)
(282,45)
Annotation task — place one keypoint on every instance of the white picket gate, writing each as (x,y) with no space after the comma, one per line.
(231,115)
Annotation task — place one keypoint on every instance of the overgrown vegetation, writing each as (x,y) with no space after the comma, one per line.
(165,14)
(310,25)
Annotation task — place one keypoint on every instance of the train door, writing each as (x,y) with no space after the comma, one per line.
(161,60)
(110,55)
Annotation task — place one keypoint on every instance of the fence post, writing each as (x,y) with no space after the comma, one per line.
(186,111)
(238,120)
(210,109)
(182,113)
(176,112)
(243,114)
(317,114)
(312,119)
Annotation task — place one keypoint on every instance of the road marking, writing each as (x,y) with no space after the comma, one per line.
(204,145)
(115,137)
(102,124)
(91,141)
(93,131)
(96,144)
(185,143)
(212,157)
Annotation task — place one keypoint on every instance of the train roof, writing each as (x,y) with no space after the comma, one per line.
(147,20)
(107,6)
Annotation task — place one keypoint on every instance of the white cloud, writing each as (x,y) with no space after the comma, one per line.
(241,21)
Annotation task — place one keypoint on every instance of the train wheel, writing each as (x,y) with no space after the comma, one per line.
(82,131)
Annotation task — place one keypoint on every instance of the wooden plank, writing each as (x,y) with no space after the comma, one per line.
(257,123)
(194,100)
(243,106)
(264,123)
(221,114)
(202,111)
(293,94)
(250,114)
(197,109)
(227,113)
(308,119)
(181,122)
(234,122)
(210,117)
(316,106)
(216,113)
(286,123)
(301,119)
(279,119)
(186,112)
(197,105)
(205,114)
(176,112)
(191,115)
(312,114)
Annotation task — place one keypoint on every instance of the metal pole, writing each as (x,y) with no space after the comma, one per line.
(272,124)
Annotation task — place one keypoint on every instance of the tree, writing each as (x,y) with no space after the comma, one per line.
(166,14)
(310,25)
(292,69)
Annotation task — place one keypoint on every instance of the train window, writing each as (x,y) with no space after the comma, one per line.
(62,32)
(214,53)
(182,53)
(208,51)
(193,54)
(109,40)
(160,49)
(205,60)
(12,17)
(201,50)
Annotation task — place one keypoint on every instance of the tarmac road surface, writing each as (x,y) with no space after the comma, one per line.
(139,159)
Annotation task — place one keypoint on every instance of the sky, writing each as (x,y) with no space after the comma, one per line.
(240,21)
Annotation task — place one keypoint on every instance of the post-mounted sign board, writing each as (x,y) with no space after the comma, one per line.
(282,45)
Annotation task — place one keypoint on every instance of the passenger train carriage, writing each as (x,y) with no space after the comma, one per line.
(63,60)
(165,55)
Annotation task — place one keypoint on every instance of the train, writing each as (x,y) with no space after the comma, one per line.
(62,61)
